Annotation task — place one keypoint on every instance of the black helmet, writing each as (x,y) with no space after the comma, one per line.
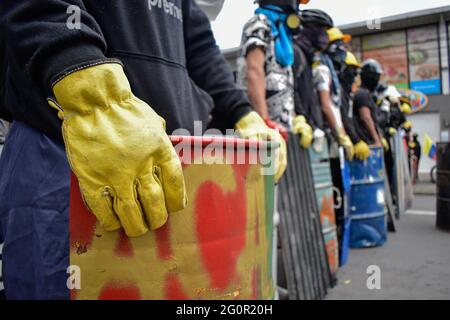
(371,72)
(371,66)
(291,4)
(316,17)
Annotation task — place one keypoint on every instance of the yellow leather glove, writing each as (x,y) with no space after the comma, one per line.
(385,144)
(362,151)
(346,142)
(392,131)
(405,108)
(407,125)
(252,126)
(302,128)
(129,173)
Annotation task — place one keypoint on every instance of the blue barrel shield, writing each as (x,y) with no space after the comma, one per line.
(367,201)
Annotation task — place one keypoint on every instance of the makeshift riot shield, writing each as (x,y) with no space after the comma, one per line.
(302,243)
(218,247)
(403,189)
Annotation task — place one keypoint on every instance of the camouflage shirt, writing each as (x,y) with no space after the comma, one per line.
(279,80)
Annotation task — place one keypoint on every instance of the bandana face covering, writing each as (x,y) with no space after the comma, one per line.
(317,36)
(284,51)
(348,76)
(370,81)
(337,52)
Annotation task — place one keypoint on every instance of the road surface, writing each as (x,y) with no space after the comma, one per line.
(414,263)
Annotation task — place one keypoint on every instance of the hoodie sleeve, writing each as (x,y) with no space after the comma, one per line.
(208,68)
(50,37)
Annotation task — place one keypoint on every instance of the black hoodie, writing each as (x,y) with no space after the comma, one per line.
(167,48)
(306,100)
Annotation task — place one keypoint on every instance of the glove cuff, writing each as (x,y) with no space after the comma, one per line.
(65,73)
(97,85)
(249,119)
(300,119)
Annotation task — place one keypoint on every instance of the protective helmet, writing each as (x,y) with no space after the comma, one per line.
(335,34)
(291,4)
(350,60)
(316,17)
(371,66)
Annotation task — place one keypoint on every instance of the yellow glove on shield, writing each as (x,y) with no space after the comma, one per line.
(362,151)
(405,108)
(385,144)
(252,126)
(302,128)
(346,142)
(407,125)
(392,131)
(128,171)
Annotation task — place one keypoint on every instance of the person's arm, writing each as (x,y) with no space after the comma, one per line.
(322,82)
(325,102)
(208,68)
(366,118)
(37,33)
(256,79)
(92,95)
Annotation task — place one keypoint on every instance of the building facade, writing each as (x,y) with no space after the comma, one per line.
(414,51)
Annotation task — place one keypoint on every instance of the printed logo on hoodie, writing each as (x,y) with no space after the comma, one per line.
(168,7)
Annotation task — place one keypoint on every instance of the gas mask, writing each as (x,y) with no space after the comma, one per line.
(337,52)
(290,7)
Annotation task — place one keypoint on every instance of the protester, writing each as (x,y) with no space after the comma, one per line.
(93,71)
(365,111)
(347,79)
(326,82)
(415,153)
(266,60)
(308,45)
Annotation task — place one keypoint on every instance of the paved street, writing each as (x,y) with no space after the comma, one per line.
(415,263)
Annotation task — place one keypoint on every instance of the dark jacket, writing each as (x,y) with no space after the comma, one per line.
(347,116)
(363,98)
(167,48)
(4,114)
(305,97)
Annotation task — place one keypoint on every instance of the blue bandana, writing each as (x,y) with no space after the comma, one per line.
(336,86)
(284,51)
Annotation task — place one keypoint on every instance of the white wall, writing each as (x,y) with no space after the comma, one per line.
(426,123)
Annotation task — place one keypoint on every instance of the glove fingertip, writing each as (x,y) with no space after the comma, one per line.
(111,225)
